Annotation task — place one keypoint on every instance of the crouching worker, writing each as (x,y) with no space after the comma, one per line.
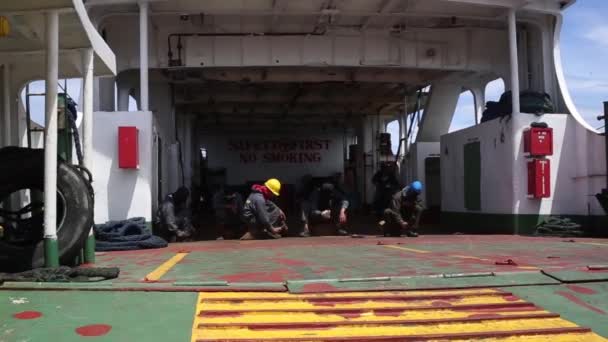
(264,220)
(173,217)
(404,213)
(327,205)
(227,207)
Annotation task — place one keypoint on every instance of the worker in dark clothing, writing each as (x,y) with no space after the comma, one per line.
(327,204)
(227,208)
(261,215)
(386,184)
(305,189)
(173,217)
(404,213)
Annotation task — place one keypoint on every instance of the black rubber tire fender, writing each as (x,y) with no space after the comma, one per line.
(22,168)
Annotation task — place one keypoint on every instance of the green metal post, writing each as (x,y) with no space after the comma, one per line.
(51,252)
(89,250)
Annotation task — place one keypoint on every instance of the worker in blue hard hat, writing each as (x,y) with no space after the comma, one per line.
(403,215)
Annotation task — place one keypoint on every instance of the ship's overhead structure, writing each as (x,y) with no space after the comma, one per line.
(236,91)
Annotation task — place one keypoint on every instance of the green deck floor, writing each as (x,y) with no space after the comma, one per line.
(131,316)
(133,309)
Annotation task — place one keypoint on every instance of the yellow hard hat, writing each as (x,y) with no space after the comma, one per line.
(5,27)
(274,186)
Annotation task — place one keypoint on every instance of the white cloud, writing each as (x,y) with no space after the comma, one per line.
(597,35)
(576,83)
(494,89)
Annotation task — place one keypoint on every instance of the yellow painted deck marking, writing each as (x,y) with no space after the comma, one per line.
(572,337)
(528,268)
(285,295)
(408,249)
(165,267)
(295,304)
(595,244)
(469,257)
(366,317)
(197,320)
(370,330)
(245,308)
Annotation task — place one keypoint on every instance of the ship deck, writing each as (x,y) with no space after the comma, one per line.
(457,287)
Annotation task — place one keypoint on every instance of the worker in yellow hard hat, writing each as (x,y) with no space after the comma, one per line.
(264,219)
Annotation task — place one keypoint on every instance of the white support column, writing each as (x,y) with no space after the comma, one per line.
(143,55)
(50,143)
(514,60)
(479,98)
(87,108)
(6,104)
(404,142)
(123,97)
(87,136)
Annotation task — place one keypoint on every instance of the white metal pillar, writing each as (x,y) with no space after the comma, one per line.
(50,143)
(123,94)
(87,136)
(87,107)
(143,55)
(514,60)
(403,124)
(479,98)
(6,104)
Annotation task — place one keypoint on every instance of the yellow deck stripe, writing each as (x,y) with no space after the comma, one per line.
(286,295)
(197,320)
(408,249)
(365,317)
(595,244)
(165,267)
(362,304)
(469,257)
(371,330)
(572,337)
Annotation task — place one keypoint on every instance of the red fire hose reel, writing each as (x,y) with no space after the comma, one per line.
(538,145)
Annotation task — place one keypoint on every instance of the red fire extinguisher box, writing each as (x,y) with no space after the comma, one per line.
(128,147)
(539,178)
(538,141)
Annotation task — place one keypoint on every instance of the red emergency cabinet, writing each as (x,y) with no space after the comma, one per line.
(538,141)
(539,178)
(128,147)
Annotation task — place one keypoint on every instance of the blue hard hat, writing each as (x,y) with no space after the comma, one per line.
(416,186)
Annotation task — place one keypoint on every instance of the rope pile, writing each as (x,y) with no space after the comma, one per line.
(560,227)
(62,274)
(131,234)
